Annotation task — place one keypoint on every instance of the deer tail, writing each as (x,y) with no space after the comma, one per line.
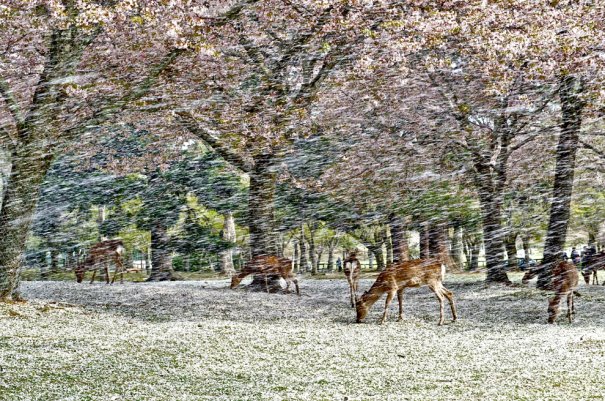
(442,271)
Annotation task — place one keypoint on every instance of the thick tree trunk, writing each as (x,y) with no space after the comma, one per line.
(571,122)
(161,261)
(511,251)
(260,207)
(29,168)
(228,235)
(493,235)
(261,218)
(439,244)
(399,238)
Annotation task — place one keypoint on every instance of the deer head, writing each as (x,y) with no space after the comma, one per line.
(362,309)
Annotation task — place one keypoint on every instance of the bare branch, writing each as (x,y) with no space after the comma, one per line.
(206,135)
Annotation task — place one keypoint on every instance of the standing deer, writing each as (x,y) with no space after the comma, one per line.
(100,254)
(396,278)
(564,283)
(267,265)
(352,269)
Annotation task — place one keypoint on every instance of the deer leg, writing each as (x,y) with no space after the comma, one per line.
(390,296)
(596,278)
(267,283)
(121,267)
(400,299)
(351,292)
(553,308)
(94,273)
(450,298)
(436,288)
(296,285)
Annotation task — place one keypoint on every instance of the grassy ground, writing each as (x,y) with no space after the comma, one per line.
(193,340)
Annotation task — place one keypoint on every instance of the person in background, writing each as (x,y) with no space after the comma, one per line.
(339,264)
(575,256)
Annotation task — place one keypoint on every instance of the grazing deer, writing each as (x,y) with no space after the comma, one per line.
(267,265)
(352,269)
(99,255)
(564,283)
(396,278)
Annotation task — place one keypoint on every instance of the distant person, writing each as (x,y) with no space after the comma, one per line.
(575,256)
(565,257)
(339,264)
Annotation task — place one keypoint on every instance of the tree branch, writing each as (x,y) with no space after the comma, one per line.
(188,122)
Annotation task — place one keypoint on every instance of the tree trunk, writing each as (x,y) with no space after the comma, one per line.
(492,234)
(424,243)
(313,255)
(457,247)
(475,251)
(525,240)
(439,244)
(304,255)
(228,235)
(54,261)
(379,256)
(511,251)
(260,207)
(296,256)
(389,245)
(399,238)
(330,266)
(261,218)
(30,164)
(161,261)
(571,122)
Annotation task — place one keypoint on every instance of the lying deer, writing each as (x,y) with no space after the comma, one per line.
(352,269)
(267,265)
(564,283)
(396,278)
(99,255)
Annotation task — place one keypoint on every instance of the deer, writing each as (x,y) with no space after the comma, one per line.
(407,274)
(267,265)
(352,269)
(564,283)
(100,254)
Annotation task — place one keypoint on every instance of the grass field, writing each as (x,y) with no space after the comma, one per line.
(198,340)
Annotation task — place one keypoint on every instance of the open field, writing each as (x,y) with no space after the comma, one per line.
(199,340)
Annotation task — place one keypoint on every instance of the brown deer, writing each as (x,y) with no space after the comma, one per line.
(564,283)
(100,254)
(267,265)
(352,269)
(396,278)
